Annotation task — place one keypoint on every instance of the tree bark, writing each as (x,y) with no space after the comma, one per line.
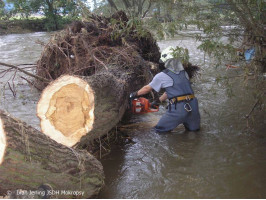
(29,159)
(77,110)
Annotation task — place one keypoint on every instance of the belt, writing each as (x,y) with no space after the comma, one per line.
(182,98)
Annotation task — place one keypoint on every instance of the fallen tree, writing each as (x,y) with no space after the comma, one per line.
(104,59)
(29,159)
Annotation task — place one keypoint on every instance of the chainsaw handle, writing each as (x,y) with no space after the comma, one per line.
(152,109)
(155,104)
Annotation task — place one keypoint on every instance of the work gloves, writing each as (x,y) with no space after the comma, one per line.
(155,104)
(133,95)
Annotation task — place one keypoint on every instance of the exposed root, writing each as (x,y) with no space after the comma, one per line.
(87,47)
(102,146)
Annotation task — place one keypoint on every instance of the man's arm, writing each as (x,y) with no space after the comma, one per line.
(155,84)
(155,104)
(163,97)
(144,90)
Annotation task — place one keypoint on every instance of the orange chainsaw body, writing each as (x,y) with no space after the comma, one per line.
(142,105)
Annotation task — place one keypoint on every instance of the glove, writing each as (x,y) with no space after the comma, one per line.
(133,95)
(155,104)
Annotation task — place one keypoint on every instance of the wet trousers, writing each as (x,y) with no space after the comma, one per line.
(178,115)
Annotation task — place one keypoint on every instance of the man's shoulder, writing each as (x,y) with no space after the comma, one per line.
(161,75)
(161,80)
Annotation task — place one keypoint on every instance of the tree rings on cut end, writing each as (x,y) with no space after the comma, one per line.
(66,109)
(2,141)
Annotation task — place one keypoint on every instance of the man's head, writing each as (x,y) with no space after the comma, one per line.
(170,62)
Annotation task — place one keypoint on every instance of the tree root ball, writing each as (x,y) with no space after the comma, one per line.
(84,48)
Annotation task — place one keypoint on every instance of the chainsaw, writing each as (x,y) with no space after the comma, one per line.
(142,105)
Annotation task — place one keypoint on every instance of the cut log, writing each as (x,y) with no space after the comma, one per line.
(76,110)
(66,110)
(30,159)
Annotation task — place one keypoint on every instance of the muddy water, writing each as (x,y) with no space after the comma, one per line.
(222,160)
(19,49)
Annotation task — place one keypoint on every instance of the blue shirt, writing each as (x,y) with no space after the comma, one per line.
(161,80)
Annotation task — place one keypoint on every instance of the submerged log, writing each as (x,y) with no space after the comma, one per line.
(76,110)
(29,160)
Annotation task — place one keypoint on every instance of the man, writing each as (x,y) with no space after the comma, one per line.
(183,106)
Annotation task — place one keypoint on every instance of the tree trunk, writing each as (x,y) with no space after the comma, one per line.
(77,110)
(94,4)
(29,159)
(52,12)
(112,4)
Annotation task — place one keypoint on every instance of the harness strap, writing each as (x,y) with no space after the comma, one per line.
(186,98)
(182,98)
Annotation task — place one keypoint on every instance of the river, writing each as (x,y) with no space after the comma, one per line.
(223,160)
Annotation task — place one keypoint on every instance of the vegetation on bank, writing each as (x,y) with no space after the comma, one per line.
(37,15)
(20,25)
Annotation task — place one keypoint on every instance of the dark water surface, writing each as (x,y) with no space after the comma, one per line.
(222,160)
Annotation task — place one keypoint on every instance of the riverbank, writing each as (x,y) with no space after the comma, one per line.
(20,26)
